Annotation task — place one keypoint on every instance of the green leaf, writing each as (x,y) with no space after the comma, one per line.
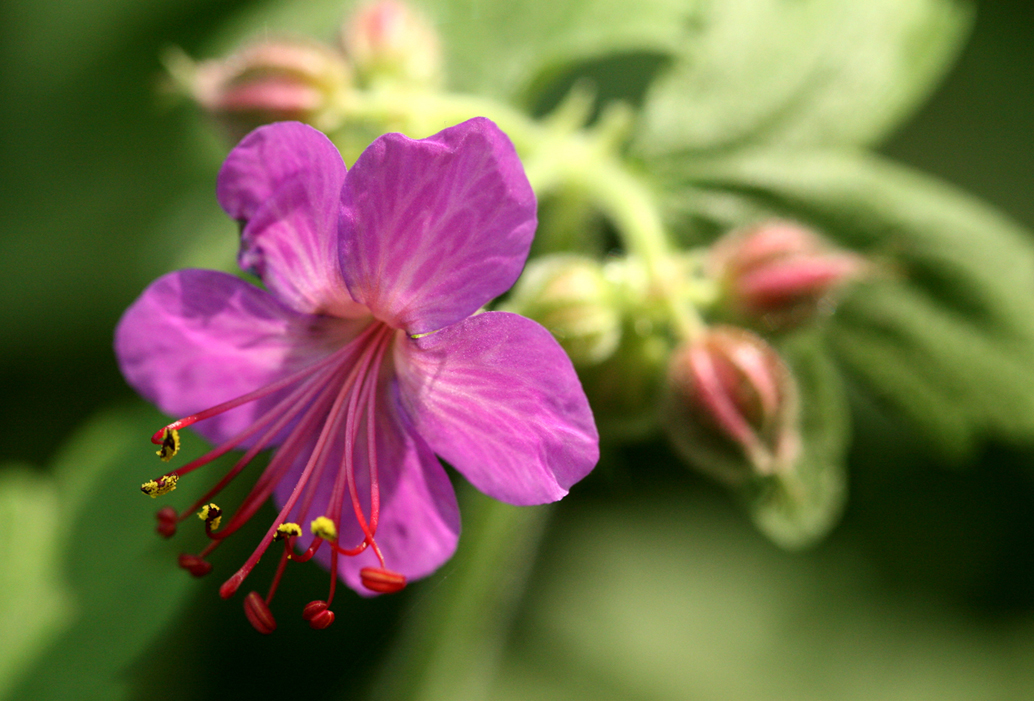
(799,507)
(123,577)
(33,600)
(806,73)
(502,49)
(664,594)
(945,333)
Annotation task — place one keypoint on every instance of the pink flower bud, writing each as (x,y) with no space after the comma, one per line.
(731,405)
(274,81)
(780,273)
(388,38)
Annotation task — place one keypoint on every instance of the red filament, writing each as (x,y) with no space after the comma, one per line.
(330,401)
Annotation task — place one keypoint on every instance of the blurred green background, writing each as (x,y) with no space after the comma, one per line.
(651,583)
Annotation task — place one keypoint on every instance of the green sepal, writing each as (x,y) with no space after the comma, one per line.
(798,506)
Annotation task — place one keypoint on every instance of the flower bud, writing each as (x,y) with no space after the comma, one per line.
(780,274)
(272,81)
(730,405)
(570,296)
(388,38)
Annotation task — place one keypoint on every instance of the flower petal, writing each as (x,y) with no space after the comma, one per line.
(419,517)
(496,397)
(197,338)
(431,230)
(283,181)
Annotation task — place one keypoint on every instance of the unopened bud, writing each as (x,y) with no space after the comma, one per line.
(387,38)
(570,296)
(781,274)
(270,81)
(731,405)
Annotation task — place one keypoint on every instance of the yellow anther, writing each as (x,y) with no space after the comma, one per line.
(324,528)
(160,486)
(211,515)
(287,530)
(170,445)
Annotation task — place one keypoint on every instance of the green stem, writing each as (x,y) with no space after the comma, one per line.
(452,644)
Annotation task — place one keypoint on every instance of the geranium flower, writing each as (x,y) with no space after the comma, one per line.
(364,356)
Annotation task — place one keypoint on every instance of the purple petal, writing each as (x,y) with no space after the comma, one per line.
(431,230)
(496,397)
(197,338)
(419,518)
(283,181)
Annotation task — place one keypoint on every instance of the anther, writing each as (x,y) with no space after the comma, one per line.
(381,580)
(313,609)
(324,528)
(287,530)
(212,515)
(197,566)
(157,487)
(322,620)
(170,444)
(167,520)
(258,613)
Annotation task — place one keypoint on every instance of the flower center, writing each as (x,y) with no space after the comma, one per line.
(333,400)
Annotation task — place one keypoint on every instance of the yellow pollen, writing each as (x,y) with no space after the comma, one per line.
(287,530)
(211,515)
(324,528)
(160,486)
(170,445)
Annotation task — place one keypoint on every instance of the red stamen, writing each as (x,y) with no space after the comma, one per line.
(231,585)
(259,615)
(335,395)
(285,411)
(381,580)
(313,609)
(195,564)
(322,620)
(279,572)
(159,435)
(167,520)
(333,577)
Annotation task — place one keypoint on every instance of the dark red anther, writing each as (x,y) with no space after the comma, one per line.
(322,620)
(382,581)
(167,520)
(313,609)
(259,615)
(197,566)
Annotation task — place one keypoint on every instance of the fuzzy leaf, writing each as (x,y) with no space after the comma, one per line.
(33,600)
(123,577)
(503,48)
(814,72)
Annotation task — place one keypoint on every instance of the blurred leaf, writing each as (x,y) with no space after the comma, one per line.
(33,600)
(452,645)
(812,72)
(502,49)
(799,507)
(124,578)
(668,595)
(945,332)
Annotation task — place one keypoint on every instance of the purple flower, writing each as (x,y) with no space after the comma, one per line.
(363,357)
